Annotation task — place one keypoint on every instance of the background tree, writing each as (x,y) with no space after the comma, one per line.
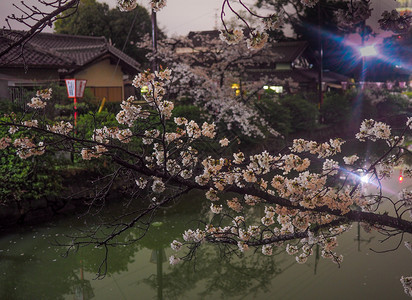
(122,29)
(207,70)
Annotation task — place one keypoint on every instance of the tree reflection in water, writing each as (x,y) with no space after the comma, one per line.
(218,276)
(216,271)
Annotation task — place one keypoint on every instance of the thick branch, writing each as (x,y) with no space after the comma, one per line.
(354,216)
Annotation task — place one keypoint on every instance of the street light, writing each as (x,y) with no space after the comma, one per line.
(364,53)
(367,51)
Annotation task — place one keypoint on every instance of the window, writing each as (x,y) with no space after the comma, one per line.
(275,88)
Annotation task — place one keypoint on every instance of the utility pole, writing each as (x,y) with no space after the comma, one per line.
(363,71)
(154,41)
(320,45)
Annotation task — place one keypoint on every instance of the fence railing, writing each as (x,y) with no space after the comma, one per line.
(19,96)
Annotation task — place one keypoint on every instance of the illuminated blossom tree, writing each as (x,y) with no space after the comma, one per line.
(206,77)
(310,192)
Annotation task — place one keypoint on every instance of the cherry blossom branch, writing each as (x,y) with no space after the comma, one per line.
(383,156)
(354,216)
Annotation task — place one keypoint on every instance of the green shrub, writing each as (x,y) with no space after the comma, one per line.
(24,180)
(277,115)
(88,122)
(27,179)
(336,108)
(303,113)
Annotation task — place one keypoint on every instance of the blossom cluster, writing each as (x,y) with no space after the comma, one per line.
(235,205)
(44,94)
(307,189)
(257,39)
(5,142)
(216,208)
(38,102)
(294,162)
(373,130)
(141,182)
(60,128)
(157,4)
(224,142)
(231,37)
(173,260)
(350,160)
(327,242)
(209,130)
(290,221)
(407,285)
(102,135)
(323,150)
(156,90)
(274,21)
(393,21)
(126,5)
(232,112)
(26,147)
(196,236)
(192,130)
(130,112)
(31,123)
(150,135)
(13,129)
(357,12)
(158,186)
(309,3)
(93,152)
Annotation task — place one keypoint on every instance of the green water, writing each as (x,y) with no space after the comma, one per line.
(31,267)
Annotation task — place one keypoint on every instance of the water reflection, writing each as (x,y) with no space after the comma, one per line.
(212,275)
(158,257)
(83,289)
(33,269)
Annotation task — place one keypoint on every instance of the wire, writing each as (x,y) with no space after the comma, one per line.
(127,39)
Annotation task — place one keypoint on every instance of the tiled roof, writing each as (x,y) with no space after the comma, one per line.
(32,56)
(82,49)
(66,41)
(73,49)
(123,56)
(286,52)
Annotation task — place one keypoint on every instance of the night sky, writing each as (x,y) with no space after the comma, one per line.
(181,16)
